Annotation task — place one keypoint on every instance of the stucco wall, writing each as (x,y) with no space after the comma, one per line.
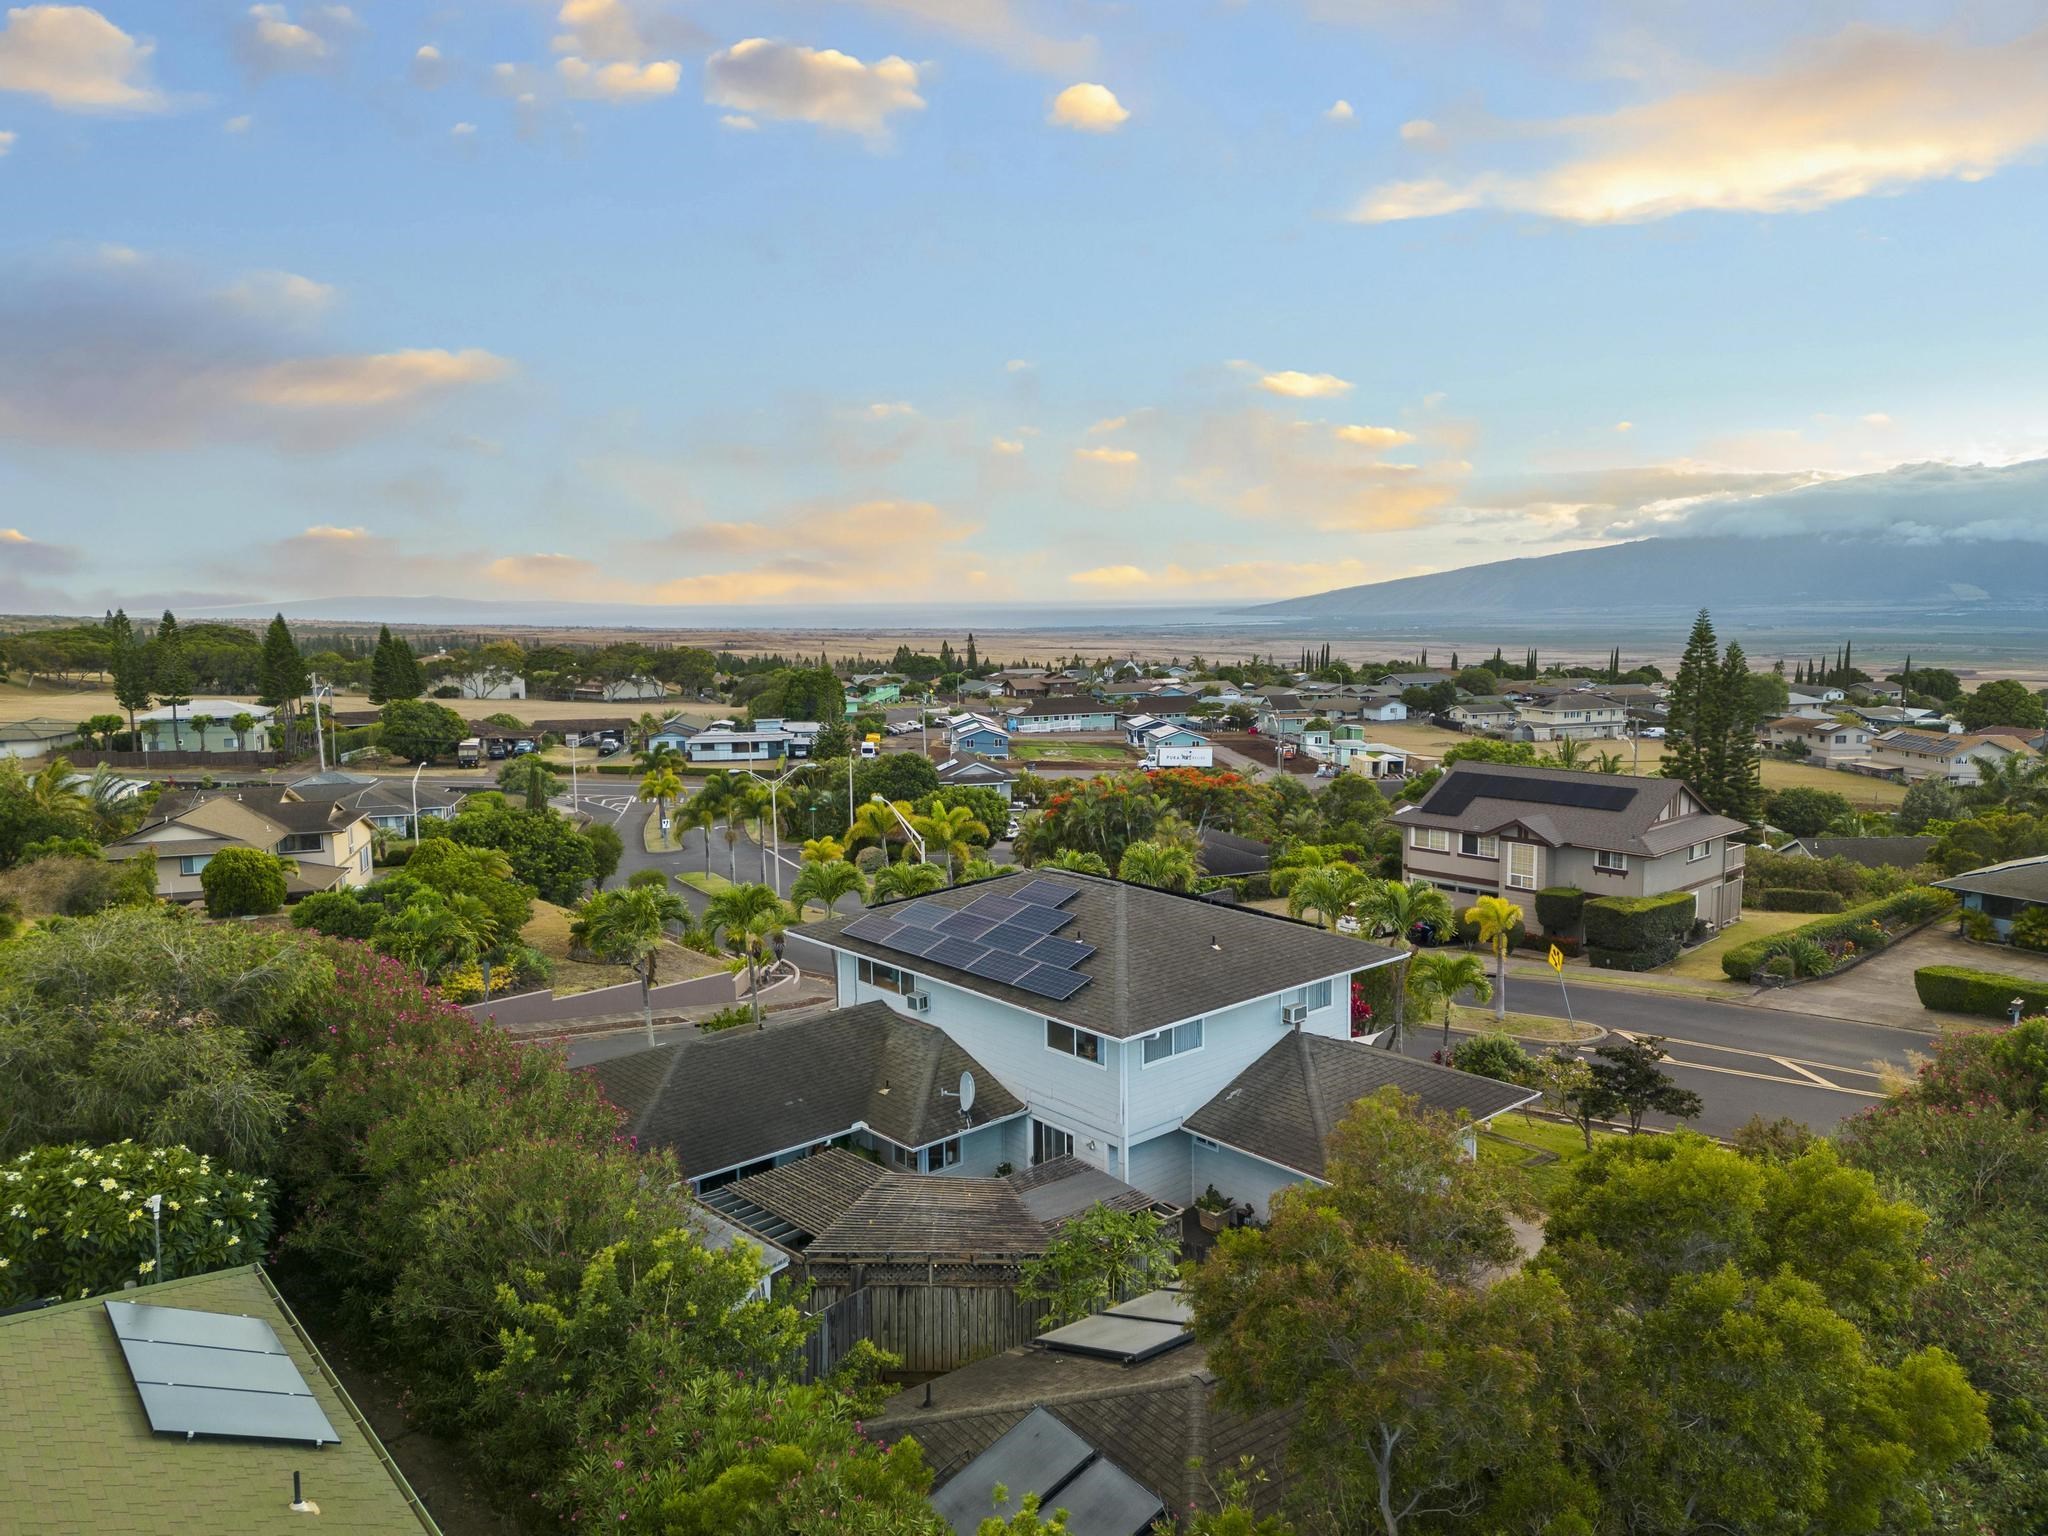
(1244,1179)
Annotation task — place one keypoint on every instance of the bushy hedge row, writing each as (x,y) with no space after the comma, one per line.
(1958,989)
(1791,899)
(1854,925)
(1541,942)
(1558,908)
(1648,958)
(1639,922)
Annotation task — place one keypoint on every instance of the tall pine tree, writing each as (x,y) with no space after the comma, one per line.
(1738,791)
(173,675)
(130,665)
(1689,731)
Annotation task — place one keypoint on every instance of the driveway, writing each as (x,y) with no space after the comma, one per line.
(1880,990)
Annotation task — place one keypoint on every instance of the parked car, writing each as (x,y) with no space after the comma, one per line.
(521,748)
(1016,826)
(609,748)
(498,749)
(1652,733)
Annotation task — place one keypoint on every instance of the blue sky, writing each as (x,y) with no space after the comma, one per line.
(861,300)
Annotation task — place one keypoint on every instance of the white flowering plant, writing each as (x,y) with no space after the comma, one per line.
(76,1220)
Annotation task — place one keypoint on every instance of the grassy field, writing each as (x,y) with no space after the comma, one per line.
(1522,1139)
(1524,1026)
(1069,752)
(1704,963)
(18,702)
(548,932)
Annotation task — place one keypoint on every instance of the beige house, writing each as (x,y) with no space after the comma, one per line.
(1570,717)
(1827,740)
(325,843)
(1951,757)
(1492,829)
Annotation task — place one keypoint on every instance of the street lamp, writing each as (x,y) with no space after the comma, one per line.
(908,829)
(416,799)
(775,821)
(319,736)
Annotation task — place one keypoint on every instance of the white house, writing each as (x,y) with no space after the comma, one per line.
(1827,740)
(219,733)
(1071,713)
(1952,757)
(489,684)
(33,738)
(1570,717)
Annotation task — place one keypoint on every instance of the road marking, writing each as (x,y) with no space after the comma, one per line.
(1806,1079)
(1794,1062)
(1793,1066)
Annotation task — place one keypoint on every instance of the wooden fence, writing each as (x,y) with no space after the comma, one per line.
(92,757)
(835,1330)
(937,1324)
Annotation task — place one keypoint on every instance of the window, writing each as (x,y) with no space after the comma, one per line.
(1613,863)
(1697,852)
(885,978)
(1069,1041)
(363,859)
(192,863)
(1205,1143)
(1475,846)
(1178,1041)
(1049,1142)
(1430,839)
(944,1155)
(1315,995)
(902,1157)
(1522,866)
(300,842)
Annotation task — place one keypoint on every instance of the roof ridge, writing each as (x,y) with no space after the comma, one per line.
(1317,1117)
(926,1089)
(1198,1374)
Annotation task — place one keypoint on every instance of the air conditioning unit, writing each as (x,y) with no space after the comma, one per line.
(918,1002)
(1294,1015)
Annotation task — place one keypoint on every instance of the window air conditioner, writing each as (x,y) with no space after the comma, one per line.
(1294,1014)
(918,1002)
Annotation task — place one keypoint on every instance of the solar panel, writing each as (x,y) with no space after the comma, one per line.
(957,953)
(1010,938)
(205,1373)
(1052,981)
(993,907)
(1051,893)
(1584,792)
(964,925)
(1043,919)
(1038,1456)
(916,941)
(1156,1306)
(1108,1337)
(1064,953)
(1001,967)
(922,914)
(875,928)
(1107,1499)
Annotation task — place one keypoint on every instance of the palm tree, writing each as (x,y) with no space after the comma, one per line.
(1441,976)
(1160,865)
(1389,908)
(56,787)
(1497,919)
(1079,860)
(825,881)
(1296,859)
(892,882)
(661,784)
(745,917)
(1569,754)
(647,725)
(1608,762)
(874,821)
(982,869)
(2013,782)
(953,830)
(1329,893)
(432,931)
(629,926)
(823,850)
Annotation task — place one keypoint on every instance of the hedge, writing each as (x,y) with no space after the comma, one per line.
(1903,910)
(1958,989)
(1788,899)
(1648,958)
(1639,922)
(1541,942)
(1558,907)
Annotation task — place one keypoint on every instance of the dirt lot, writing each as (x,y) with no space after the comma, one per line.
(20,703)
(548,932)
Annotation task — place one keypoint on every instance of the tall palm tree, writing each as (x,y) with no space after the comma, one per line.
(893,882)
(1569,754)
(1391,909)
(56,787)
(629,926)
(825,881)
(875,822)
(1160,865)
(1329,893)
(1440,976)
(661,784)
(647,725)
(744,918)
(1497,919)
(952,829)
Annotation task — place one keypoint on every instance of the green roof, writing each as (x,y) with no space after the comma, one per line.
(77,1452)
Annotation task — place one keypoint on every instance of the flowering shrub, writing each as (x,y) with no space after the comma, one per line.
(73,1220)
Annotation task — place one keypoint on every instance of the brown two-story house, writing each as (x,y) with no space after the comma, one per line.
(324,843)
(1490,829)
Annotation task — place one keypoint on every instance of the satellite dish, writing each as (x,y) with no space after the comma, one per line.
(966,1092)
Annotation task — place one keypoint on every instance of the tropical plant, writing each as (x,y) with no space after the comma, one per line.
(1568,754)
(243,882)
(1437,977)
(630,926)
(825,881)
(1165,867)
(661,784)
(1498,920)
(1098,1259)
(433,931)
(745,918)
(893,882)
(875,823)
(1391,909)
(242,723)
(1296,859)
(1077,860)
(953,830)
(823,850)
(1329,892)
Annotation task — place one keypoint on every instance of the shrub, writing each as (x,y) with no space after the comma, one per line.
(1979,926)
(2030,928)
(1639,922)
(1807,958)
(243,882)
(1661,953)
(1891,915)
(727,1018)
(338,914)
(1787,899)
(1493,1055)
(1558,908)
(1540,943)
(1958,989)
(76,1224)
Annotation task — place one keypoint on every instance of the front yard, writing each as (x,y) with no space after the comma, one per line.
(1546,1150)
(1069,752)
(1703,963)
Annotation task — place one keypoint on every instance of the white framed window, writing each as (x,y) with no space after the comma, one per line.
(902,1157)
(944,1155)
(1069,1041)
(1475,845)
(363,859)
(1522,866)
(1315,995)
(192,863)
(1177,1041)
(1049,1142)
(1205,1143)
(885,978)
(1613,863)
(1430,839)
(1697,852)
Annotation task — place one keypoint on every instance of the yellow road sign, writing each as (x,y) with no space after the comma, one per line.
(1557,959)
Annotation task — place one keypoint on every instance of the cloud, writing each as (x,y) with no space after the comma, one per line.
(1627,502)
(237,124)
(1304,386)
(429,68)
(859,529)
(6,142)
(1006,445)
(1109,424)
(1251,578)
(1624,426)
(738,122)
(462,131)
(1119,456)
(1877,419)
(269,42)
(886,410)
(619,81)
(995,26)
(823,86)
(1909,505)
(24,555)
(1017,365)
(118,350)
(1088,108)
(76,60)
(1863,112)
(1419,130)
(1374,437)
(1340,111)
(1268,467)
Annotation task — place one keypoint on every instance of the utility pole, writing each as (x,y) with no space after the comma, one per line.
(319,735)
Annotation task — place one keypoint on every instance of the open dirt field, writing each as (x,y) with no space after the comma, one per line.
(22,703)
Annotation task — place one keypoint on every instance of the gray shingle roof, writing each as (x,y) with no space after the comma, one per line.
(1873,852)
(1486,797)
(1065,1187)
(1159,958)
(1284,1106)
(2022,879)
(812,1192)
(743,1095)
(908,1214)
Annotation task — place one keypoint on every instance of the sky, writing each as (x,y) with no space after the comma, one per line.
(795,302)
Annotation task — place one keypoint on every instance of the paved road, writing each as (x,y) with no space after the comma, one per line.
(1740,1061)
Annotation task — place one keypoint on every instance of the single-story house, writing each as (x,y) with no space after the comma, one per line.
(1230,857)
(1071,713)
(1826,740)
(717,745)
(219,734)
(1400,680)
(1151,732)
(2003,891)
(977,773)
(34,738)
(1353,753)
(1870,852)
(324,843)
(674,734)
(977,736)
(803,734)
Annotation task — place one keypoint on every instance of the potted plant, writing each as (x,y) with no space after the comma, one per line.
(1212,1210)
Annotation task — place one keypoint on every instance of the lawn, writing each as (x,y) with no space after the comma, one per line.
(1704,962)
(1524,1139)
(698,880)
(1069,752)
(548,931)
(1525,1026)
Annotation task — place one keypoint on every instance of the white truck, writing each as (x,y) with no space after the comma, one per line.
(469,752)
(1203,756)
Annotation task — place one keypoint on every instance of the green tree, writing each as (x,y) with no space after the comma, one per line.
(1438,977)
(1330,892)
(432,932)
(825,882)
(1498,920)
(532,779)
(545,850)
(243,882)
(1163,866)
(745,918)
(101,727)
(2002,703)
(606,849)
(282,677)
(630,926)
(418,731)
(394,670)
(661,784)
(455,869)
(1391,909)
(1628,1072)
(1807,812)
(130,666)
(1927,800)
(1099,1258)
(171,673)
(895,882)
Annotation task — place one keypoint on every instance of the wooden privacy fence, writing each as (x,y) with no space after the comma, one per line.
(934,1317)
(92,757)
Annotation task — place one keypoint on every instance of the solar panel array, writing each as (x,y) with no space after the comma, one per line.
(208,1373)
(1136,1330)
(1584,792)
(1008,936)
(1043,1456)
